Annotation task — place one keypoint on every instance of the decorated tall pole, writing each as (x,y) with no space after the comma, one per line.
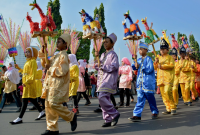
(46,22)
(9,36)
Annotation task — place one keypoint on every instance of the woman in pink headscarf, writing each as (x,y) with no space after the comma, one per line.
(125,73)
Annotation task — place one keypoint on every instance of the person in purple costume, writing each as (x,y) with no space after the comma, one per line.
(107,81)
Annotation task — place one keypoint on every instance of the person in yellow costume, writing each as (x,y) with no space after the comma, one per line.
(29,87)
(56,87)
(185,76)
(38,83)
(74,81)
(193,74)
(175,94)
(165,77)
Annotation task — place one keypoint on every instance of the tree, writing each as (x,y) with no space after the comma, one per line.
(55,9)
(100,12)
(96,11)
(194,45)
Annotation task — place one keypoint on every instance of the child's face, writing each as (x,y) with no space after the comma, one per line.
(164,51)
(60,45)
(10,65)
(174,57)
(197,61)
(107,44)
(28,54)
(187,57)
(182,55)
(123,63)
(142,51)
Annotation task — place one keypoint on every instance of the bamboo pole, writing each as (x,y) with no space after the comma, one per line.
(45,50)
(96,50)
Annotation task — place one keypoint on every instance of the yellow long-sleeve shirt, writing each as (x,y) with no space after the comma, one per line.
(28,78)
(74,80)
(165,76)
(185,71)
(38,82)
(177,74)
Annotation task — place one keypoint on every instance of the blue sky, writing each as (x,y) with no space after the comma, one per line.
(173,15)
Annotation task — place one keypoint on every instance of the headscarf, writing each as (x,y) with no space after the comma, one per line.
(82,66)
(73,60)
(33,51)
(126,61)
(39,65)
(82,63)
(13,74)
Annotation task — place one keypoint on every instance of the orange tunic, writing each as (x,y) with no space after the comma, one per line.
(197,79)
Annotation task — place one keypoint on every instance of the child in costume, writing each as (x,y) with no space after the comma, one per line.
(165,77)
(11,78)
(192,79)
(185,76)
(125,73)
(38,82)
(29,86)
(197,78)
(81,88)
(107,81)
(175,94)
(74,81)
(56,87)
(145,84)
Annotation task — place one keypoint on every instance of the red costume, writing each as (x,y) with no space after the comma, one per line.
(197,79)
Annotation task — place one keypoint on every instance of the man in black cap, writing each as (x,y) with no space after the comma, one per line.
(165,72)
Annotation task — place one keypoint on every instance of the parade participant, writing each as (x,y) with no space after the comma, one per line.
(38,83)
(93,81)
(175,94)
(29,86)
(145,84)
(81,88)
(11,78)
(74,81)
(165,77)
(56,87)
(184,79)
(192,79)
(107,81)
(197,78)
(125,73)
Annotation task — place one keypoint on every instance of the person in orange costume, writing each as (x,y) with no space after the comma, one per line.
(197,79)
(192,59)
(165,77)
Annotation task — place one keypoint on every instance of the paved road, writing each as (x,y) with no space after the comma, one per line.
(89,123)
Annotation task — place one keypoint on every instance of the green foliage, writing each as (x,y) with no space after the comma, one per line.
(194,45)
(83,51)
(151,54)
(55,9)
(100,12)
(96,11)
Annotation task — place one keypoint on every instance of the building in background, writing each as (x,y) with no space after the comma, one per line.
(20,58)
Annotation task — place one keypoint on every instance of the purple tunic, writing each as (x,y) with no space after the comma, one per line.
(108,72)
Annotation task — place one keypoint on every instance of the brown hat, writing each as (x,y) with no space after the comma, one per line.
(67,38)
(34,52)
